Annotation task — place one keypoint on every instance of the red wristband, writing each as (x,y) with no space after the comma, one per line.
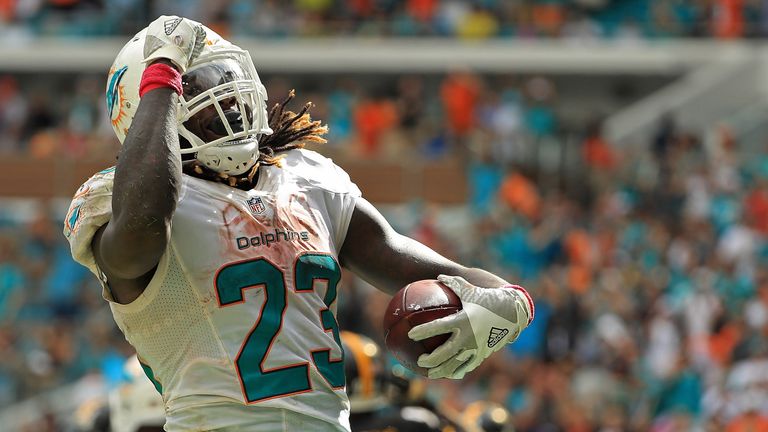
(527,297)
(159,75)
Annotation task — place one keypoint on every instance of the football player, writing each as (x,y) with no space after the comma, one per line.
(136,406)
(219,243)
(379,400)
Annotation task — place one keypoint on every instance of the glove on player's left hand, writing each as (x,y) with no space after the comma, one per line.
(490,318)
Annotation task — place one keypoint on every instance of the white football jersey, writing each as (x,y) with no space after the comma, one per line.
(239,317)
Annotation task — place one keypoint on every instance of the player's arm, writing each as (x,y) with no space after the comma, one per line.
(146,188)
(493,311)
(389,261)
(148,171)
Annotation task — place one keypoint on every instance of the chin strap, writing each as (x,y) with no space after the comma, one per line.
(243,181)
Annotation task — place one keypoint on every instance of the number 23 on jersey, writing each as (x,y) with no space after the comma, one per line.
(259,383)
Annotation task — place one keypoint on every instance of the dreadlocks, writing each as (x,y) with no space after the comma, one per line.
(289,131)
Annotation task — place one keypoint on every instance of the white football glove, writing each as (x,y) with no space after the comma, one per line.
(177,39)
(490,319)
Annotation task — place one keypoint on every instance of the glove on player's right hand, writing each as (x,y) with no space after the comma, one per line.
(177,39)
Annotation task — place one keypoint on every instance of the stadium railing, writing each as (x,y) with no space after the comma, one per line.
(400,55)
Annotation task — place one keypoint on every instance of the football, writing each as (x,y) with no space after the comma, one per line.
(417,303)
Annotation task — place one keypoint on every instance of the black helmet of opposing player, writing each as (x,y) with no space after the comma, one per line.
(365,372)
(222,112)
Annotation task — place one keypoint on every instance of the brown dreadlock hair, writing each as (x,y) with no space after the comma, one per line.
(290,130)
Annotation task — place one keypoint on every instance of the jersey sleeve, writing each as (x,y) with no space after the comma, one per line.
(90,209)
(340,193)
(341,205)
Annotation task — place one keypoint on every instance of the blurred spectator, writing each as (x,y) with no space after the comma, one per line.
(663,139)
(728,18)
(548,17)
(459,93)
(13,112)
(756,206)
(748,422)
(411,101)
(485,179)
(478,24)
(373,117)
(597,151)
(540,117)
(340,105)
(520,194)
(422,10)
(503,115)
(12,280)
(39,117)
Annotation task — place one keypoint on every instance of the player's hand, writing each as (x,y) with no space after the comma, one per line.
(177,39)
(490,318)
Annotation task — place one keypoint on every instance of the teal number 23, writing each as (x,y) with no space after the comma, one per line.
(258,382)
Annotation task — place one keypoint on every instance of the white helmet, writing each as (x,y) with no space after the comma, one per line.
(222,81)
(135,403)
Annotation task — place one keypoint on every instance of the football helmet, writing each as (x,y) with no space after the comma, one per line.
(91,416)
(365,372)
(136,403)
(222,112)
(482,416)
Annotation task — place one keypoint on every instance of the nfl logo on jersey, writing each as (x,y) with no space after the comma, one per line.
(256,205)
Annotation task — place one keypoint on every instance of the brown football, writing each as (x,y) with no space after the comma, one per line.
(417,303)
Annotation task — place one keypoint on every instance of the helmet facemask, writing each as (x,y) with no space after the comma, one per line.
(222,112)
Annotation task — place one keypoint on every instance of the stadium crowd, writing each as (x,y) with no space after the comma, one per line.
(382,118)
(469,19)
(648,271)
